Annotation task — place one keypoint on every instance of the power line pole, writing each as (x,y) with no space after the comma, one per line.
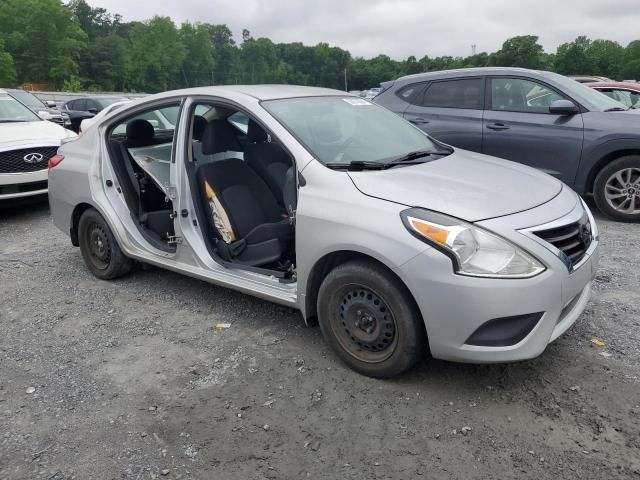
(345,81)
(473,49)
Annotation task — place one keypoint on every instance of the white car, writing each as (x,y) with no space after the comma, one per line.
(26,144)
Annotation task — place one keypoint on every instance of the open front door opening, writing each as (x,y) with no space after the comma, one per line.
(244,187)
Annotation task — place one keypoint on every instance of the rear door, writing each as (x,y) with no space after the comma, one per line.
(451,111)
(519,127)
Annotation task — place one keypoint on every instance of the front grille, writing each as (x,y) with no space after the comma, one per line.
(573,240)
(14,160)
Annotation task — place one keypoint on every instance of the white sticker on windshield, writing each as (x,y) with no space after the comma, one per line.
(356,102)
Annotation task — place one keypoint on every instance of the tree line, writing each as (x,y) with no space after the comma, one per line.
(74,47)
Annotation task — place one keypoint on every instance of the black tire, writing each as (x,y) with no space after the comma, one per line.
(370,320)
(99,248)
(630,191)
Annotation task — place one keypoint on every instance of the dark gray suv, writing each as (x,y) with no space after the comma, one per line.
(540,119)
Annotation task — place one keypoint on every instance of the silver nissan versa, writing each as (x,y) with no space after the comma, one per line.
(397,244)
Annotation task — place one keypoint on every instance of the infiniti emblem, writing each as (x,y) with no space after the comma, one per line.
(33,157)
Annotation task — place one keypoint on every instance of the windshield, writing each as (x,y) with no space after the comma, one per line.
(598,101)
(348,129)
(12,110)
(28,99)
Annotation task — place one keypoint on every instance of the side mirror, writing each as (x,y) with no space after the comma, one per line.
(50,104)
(93,110)
(563,107)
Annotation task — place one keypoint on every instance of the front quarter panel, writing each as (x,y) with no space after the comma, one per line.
(333,216)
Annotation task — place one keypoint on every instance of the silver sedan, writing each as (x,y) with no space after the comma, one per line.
(396,244)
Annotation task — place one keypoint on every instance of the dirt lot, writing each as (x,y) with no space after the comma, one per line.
(131,380)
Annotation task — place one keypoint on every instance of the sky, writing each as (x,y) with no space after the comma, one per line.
(400,28)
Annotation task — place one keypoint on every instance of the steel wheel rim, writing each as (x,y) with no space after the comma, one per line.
(622,191)
(99,246)
(364,324)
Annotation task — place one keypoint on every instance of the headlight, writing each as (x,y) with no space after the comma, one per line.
(473,250)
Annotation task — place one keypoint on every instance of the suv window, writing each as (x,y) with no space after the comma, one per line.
(520,95)
(409,92)
(626,97)
(459,93)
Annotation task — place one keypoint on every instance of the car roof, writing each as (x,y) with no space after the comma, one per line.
(259,92)
(473,72)
(630,86)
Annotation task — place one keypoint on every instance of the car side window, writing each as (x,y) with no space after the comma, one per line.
(410,92)
(80,105)
(520,95)
(459,93)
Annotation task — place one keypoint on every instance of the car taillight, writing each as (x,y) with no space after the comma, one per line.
(55,160)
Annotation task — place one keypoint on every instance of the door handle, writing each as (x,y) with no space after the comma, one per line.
(419,121)
(498,126)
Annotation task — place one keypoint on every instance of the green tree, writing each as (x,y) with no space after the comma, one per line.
(523,51)
(197,67)
(154,56)
(574,58)
(44,39)
(225,54)
(630,68)
(7,68)
(607,57)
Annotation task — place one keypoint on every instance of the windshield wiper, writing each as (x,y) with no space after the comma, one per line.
(356,166)
(616,109)
(418,154)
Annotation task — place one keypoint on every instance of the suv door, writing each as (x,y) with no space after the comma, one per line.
(519,127)
(451,111)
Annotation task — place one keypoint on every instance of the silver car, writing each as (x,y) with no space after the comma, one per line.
(396,244)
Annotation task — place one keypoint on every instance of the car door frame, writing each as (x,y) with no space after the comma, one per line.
(200,250)
(488,108)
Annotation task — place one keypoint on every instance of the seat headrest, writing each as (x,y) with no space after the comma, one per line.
(199,124)
(218,136)
(255,133)
(140,130)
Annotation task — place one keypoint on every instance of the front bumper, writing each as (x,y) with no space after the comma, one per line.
(453,307)
(23,185)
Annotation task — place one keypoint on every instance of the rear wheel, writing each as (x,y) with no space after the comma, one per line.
(617,189)
(370,320)
(99,248)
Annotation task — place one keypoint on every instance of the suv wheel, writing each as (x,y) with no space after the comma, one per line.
(370,320)
(617,189)
(99,248)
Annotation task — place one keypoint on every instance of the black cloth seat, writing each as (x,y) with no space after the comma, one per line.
(262,228)
(140,133)
(273,164)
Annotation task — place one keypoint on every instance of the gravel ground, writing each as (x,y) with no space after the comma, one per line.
(131,380)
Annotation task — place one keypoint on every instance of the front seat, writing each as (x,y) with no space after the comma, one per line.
(261,230)
(271,163)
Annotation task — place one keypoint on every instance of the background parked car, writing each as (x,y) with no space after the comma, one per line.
(540,119)
(87,107)
(626,93)
(44,111)
(26,144)
(589,79)
(87,122)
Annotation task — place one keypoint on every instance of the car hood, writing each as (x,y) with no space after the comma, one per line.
(31,134)
(466,185)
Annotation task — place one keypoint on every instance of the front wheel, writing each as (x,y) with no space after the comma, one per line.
(617,189)
(99,248)
(370,320)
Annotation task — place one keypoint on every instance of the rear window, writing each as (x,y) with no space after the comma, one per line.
(459,93)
